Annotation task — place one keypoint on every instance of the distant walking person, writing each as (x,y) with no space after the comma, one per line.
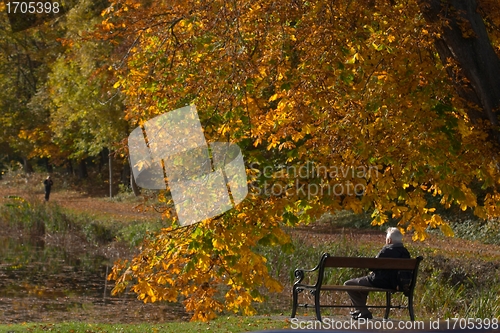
(48,185)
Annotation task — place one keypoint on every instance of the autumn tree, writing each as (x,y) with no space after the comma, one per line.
(86,111)
(335,105)
(56,97)
(24,63)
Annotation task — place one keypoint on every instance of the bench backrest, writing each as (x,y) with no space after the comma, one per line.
(369,263)
(372,263)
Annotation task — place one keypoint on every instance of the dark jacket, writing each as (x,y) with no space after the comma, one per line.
(48,184)
(388,278)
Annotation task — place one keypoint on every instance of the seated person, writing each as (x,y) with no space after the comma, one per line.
(393,248)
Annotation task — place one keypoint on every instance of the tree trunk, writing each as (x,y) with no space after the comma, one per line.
(125,174)
(466,41)
(82,170)
(48,166)
(69,167)
(133,184)
(27,167)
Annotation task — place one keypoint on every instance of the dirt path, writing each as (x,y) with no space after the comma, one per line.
(316,234)
(129,208)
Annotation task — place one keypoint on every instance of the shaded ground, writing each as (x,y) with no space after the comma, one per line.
(40,303)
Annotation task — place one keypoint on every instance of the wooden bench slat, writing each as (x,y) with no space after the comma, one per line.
(344,288)
(355,288)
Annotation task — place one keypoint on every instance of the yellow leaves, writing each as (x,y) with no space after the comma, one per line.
(417,201)
(24,134)
(354,204)
(464,128)
(318,91)
(419,226)
(435,221)
(188,25)
(353,59)
(107,11)
(273,286)
(379,218)
(144,291)
(446,230)
(379,47)
(481,212)
(464,197)
(274,142)
(286,145)
(263,71)
(274,97)
(218,245)
(397,211)
(223,129)
(492,204)
(107,25)
(238,298)
(205,308)
(196,262)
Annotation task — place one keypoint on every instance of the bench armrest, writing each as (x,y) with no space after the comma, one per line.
(299,273)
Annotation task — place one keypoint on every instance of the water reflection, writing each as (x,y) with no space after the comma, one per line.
(42,282)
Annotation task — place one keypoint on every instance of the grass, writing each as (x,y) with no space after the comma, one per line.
(487,232)
(454,280)
(221,325)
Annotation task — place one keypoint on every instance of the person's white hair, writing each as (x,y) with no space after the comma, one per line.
(394,235)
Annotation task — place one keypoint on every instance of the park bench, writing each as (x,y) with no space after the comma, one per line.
(409,266)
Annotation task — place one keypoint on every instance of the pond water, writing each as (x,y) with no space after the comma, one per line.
(43,280)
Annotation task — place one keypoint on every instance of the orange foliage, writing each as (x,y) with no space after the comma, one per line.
(351,93)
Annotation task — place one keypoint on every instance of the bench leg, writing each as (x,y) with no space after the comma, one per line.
(410,307)
(387,304)
(317,305)
(295,301)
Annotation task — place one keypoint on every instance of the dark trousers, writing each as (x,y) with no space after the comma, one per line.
(358,298)
(47,194)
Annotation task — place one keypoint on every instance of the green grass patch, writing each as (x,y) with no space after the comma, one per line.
(231,324)
(21,216)
(487,232)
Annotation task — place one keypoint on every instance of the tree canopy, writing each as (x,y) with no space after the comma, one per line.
(381,106)
(336,105)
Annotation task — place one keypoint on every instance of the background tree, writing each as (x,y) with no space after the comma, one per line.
(86,111)
(24,59)
(58,101)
